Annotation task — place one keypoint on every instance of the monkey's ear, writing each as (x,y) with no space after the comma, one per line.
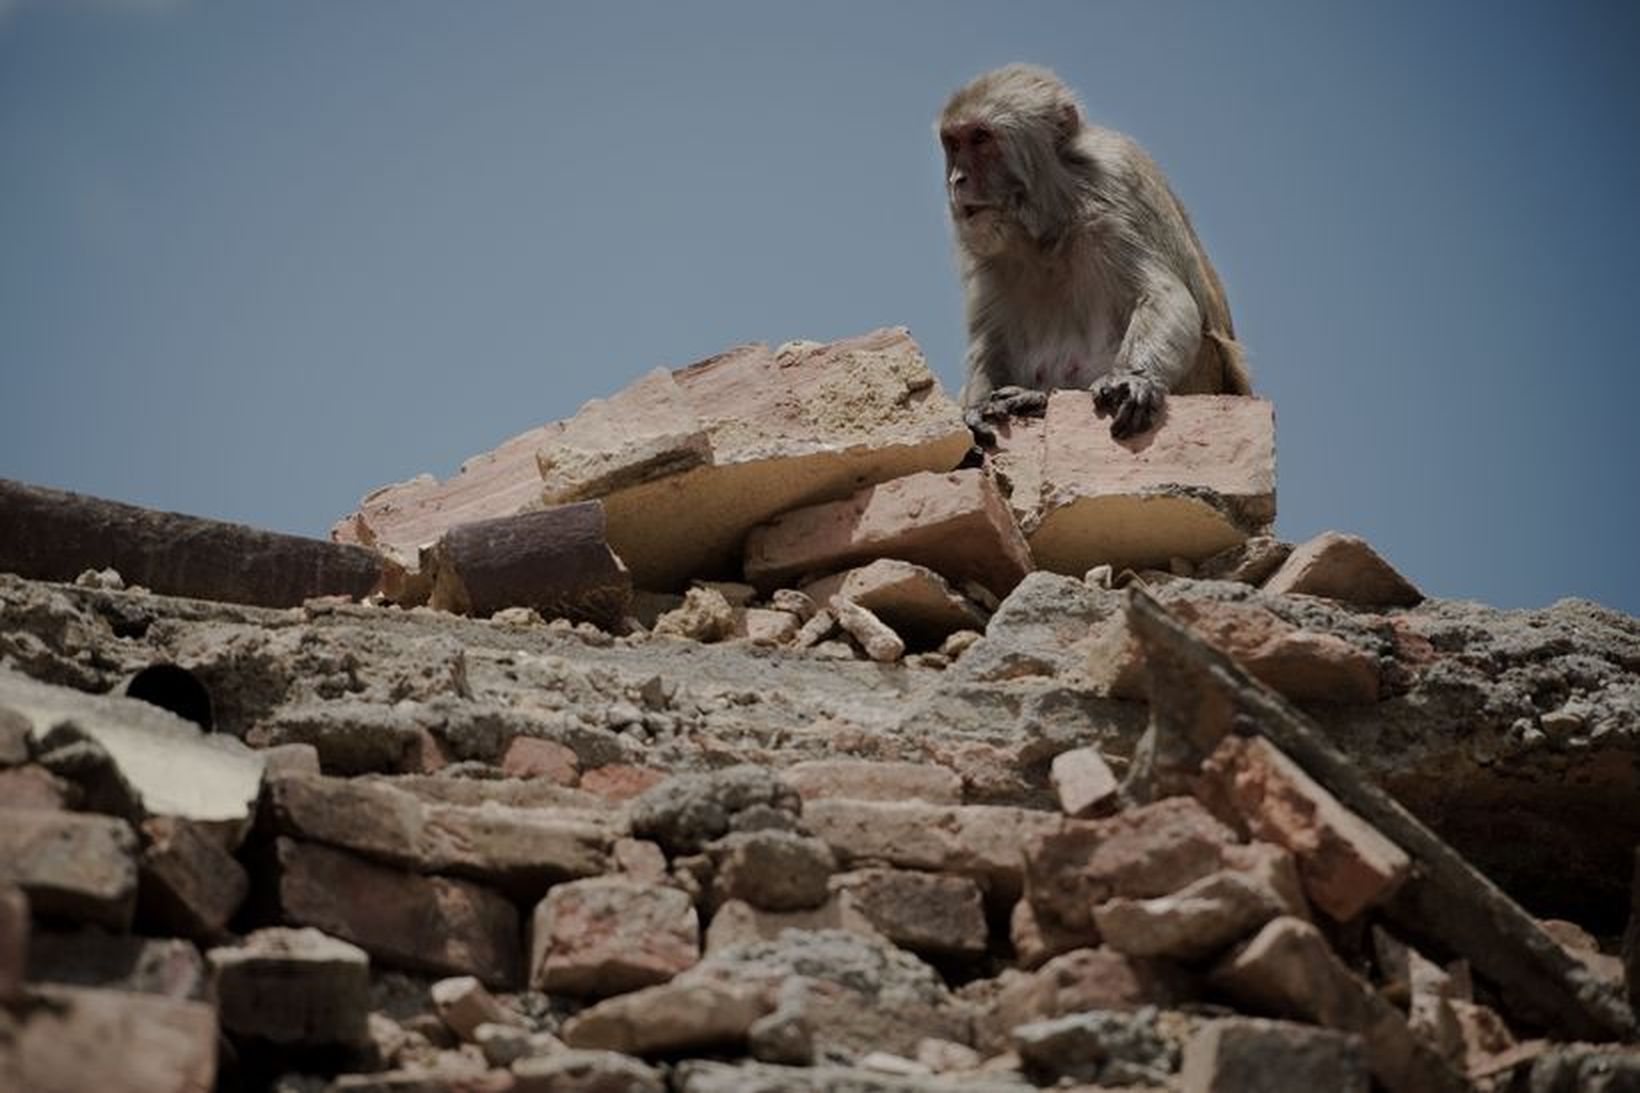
(1069,121)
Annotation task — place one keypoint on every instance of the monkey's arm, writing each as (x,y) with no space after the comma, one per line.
(1158,348)
(984,403)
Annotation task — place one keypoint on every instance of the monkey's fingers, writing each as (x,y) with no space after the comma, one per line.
(1024,403)
(1109,394)
(1138,413)
(984,435)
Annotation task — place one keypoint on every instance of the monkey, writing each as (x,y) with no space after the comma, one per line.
(1079,265)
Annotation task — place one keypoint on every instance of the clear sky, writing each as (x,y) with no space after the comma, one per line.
(260,256)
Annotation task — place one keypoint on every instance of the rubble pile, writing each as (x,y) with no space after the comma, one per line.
(730,736)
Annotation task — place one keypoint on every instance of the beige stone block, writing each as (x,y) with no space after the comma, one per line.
(672,1017)
(71,865)
(82,1039)
(1084,783)
(954,523)
(1201,482)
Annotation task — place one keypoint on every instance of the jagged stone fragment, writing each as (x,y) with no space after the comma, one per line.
(607,935)
(585,1072)
(924,912)
(292,986)
(189,885)
(876,637)
(1342,567)
(1075,982)
(1256,1055)
(464,1005)
(1084,783)
(1103,1048)
(1199,919)
(772,870)
(1201,482)
(75,866)
(687,811)
(1346,865)
(672,1017)
(954,523)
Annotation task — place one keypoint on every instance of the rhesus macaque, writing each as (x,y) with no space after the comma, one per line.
(1079,264)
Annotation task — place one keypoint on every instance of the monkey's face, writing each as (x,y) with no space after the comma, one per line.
(978,186)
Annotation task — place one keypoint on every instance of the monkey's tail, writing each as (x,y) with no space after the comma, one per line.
(1236,378)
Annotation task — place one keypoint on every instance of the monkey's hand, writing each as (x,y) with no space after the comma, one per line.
(999,405)
(1133,398)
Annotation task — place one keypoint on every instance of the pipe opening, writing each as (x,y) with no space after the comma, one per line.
(175,689)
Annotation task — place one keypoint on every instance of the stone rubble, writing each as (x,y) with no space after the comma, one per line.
(858,786)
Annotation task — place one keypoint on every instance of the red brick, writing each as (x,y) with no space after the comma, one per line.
(532,757)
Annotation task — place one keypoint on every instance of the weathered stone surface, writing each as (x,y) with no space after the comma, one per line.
(913,600)
(1143,852)
(923,912)
(672,1017)
(1201,918)
(523,847)
(866,780)
(1104,1048)
(1084,783)
(53,535)
(173,767)
(705,1076)
(847,993)
(189,886)
(764,626)
(608,935)
(430,924)
(586,1072)
(14,939)
(686,812)
(71,865)
(1345,864)
(1084,979)
(1585,1068)
(290,986)
(1037,939)
(532,757)
(464,1005)
(1253,1055)
(91,957)
(876,637)
(1342,567)
(1201,482)
(772,870)
(555,561)
(1288,969)
(978,841)
(955,524)
(14,734)
(83,1039)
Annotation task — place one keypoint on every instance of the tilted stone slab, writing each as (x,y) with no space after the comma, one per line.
(1200,482)
(913,599)
(956,524)
(686,461)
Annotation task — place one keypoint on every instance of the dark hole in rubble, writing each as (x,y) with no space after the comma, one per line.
(175,689)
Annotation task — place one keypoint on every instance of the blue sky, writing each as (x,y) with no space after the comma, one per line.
(257,258)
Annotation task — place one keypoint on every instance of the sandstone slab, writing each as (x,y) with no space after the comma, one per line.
(1084,783)
(429,924)
(189,885)
(869,780)
(1201,482)
(771,870)
(955,523)
(1199,919)
(672,1017)
(608,935)
(737,922)
(292,986)
(924,912)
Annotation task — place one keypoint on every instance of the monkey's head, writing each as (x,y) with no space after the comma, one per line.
(1005,137)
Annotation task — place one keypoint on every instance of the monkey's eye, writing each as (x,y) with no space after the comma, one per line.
(981,137)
